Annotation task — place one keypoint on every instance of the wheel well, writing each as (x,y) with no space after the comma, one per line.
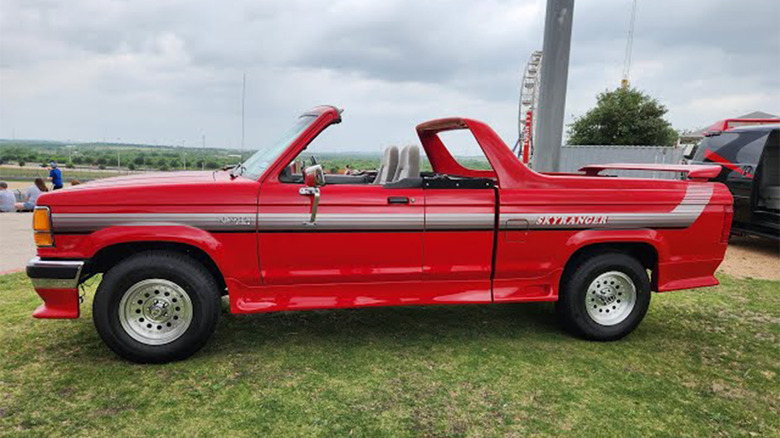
(645,253)
(109,256)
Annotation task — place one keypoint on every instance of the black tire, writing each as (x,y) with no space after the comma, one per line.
(186,273)
(571,305)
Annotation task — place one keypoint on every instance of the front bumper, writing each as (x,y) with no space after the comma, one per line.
(56,282)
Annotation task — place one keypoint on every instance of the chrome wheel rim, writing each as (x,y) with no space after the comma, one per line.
(610,298)
(155,311)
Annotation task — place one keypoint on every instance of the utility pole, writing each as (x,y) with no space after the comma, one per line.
(629,47)
(243,103)
(552,94)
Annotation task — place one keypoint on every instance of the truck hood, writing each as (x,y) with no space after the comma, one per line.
(157,188)
(157,178)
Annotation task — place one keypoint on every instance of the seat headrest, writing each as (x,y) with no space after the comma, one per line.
(409,163)
(388,166)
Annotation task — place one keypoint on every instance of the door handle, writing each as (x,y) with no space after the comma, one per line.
(314,192)
(397,200)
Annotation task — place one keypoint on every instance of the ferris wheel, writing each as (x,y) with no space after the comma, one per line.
(529,99)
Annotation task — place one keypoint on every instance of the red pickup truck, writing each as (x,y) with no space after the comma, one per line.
(271,238)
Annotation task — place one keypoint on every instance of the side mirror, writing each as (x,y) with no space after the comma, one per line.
(313,176)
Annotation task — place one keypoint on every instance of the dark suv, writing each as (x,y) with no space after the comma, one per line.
(750,158)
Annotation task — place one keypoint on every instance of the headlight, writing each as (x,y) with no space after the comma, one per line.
(42,227)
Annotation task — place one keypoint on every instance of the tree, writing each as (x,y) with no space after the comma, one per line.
(131,166)
(623,117)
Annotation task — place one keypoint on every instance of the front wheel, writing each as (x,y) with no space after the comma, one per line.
(605,297)
(156,307)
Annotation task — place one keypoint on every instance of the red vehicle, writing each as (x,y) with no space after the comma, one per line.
(170,244)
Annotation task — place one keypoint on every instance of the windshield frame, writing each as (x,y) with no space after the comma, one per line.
(280,153)
(254,166)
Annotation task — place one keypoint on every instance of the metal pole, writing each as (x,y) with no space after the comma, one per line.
(243,101)
(552,94)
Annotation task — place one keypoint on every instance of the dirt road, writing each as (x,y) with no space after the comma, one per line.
(752,257)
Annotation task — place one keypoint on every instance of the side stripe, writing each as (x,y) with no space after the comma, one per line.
(336,221)
(683,215)
(82,222)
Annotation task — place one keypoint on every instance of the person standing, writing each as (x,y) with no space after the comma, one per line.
(7,199)
(55,176)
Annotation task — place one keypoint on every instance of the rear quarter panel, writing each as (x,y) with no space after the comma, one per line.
(531,254)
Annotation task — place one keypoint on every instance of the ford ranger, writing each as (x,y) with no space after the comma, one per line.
(276,236)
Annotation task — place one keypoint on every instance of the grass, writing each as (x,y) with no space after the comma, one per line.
(703,363)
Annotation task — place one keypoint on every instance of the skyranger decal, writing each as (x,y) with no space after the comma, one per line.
(572,220)
(683,215)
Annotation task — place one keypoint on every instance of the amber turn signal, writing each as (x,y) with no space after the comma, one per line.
(42,227)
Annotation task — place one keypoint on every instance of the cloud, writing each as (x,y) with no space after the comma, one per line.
(169,72)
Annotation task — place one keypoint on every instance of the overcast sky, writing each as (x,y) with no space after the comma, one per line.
(168,72)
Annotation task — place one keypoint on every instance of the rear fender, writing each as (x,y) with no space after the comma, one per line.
(589,238)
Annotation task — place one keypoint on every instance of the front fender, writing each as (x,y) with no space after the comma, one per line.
(181,234)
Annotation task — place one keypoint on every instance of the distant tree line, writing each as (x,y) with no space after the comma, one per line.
(101,156)
(134,157)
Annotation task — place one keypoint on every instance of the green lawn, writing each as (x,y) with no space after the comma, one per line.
(703,363)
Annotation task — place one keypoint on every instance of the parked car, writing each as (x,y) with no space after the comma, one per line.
(750,158)
(271,239)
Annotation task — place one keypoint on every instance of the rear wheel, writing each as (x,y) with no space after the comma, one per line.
(605,297)
(156,307)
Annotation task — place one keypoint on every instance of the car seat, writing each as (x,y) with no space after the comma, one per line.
(388,166)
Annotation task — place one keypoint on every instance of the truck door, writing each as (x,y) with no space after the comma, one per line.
(459,237)
(361,233)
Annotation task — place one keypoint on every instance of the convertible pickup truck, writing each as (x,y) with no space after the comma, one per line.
(273,235)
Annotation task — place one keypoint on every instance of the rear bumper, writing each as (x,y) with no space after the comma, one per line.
(56,282)
(687,274)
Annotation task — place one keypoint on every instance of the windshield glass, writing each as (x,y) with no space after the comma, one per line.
(259,162)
